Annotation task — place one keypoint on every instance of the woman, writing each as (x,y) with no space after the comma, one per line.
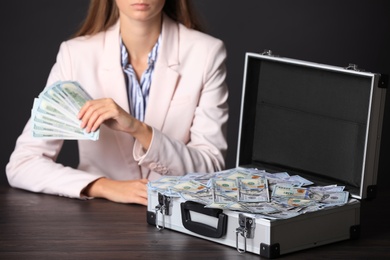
(160,102)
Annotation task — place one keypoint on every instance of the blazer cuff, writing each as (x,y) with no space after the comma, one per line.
(139,152)
(151,158)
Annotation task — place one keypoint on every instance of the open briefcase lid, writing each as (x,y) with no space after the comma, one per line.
(319,121)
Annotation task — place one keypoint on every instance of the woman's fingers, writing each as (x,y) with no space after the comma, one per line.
(95,112)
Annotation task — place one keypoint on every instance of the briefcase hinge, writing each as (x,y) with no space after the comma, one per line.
(246,229)
(164,207)
(353,67)
(267,53)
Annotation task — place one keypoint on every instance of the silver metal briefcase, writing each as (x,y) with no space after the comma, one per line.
(318,121)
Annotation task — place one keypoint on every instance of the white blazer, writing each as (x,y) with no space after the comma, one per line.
(187,110)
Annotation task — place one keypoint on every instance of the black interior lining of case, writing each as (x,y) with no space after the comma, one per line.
(307,119)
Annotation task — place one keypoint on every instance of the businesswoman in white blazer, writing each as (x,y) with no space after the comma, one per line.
(160,101)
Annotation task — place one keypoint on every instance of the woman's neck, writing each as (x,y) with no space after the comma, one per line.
(140,37)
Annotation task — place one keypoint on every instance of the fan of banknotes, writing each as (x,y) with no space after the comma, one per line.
(54,113)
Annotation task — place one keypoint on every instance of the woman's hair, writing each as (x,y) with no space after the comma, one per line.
(102,14)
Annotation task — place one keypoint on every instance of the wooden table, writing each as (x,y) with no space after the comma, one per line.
(38,226)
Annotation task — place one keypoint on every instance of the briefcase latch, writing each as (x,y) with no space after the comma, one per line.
(164,207)
(246,229)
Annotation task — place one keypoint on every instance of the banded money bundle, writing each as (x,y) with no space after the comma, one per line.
(54,113)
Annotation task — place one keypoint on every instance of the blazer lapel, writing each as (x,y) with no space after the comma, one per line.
(161,92)
(111,72)
(165,76)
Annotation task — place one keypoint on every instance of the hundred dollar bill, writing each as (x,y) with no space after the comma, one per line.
(74,90)
(328,188)
(300,179)
(46,106)
(45,135)
(202,178)
(242,173)
(312,208)
(253,190)
(237,207)
(58,134)
(224,196)
(163,183)
(237,175)
(290,191)
(73,93)
(189,186)
(205,197)
(57,98)
(50,128)
(45,116)
(224,190)
(296,202)
(272,182)
(335,198)
(260,208)
(216,205)
(225,185)
(280,175)
(40,130)
(165,179)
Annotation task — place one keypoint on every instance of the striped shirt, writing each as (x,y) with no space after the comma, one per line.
(138,91)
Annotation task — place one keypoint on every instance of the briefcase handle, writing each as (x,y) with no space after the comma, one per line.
(200,228)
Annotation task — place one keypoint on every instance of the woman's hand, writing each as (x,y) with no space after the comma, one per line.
(95,112)
(105,110)
(134,191)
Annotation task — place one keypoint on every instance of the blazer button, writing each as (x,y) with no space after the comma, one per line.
(153,166)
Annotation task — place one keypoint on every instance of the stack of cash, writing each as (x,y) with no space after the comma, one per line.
(54,113)
(267,195)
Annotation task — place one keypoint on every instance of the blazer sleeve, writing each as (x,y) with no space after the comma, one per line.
(32,165)
(206,149)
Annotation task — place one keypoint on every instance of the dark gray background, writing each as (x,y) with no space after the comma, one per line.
(331,32)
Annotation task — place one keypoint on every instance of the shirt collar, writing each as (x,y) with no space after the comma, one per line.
(152,56)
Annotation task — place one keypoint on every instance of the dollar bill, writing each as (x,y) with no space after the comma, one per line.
(296,202)
(189,186)
(260,208)
(253,190)
(335,198)
(225,185)
(46,106)
(224,196)
(51,128)
(57,98)
(224,190)
(42,116)
(216,205)
(74,94)
(290,191)
(205,197)
(328,188)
